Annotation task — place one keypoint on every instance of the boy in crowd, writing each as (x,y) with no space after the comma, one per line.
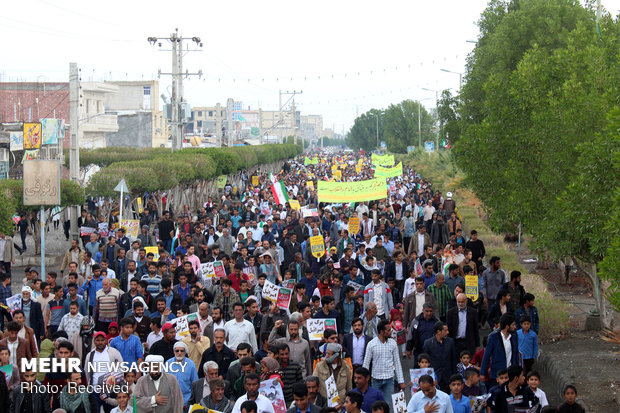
(460,403)
(533,380)
(471,387)
(528,343)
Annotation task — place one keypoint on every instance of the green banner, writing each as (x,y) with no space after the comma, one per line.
(352,191)
(383,172)
(386,160)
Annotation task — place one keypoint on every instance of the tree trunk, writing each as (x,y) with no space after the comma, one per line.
(596,292)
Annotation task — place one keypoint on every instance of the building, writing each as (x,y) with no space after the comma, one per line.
(311,127)
(95,122)
(271,124)
(204,119)
(141,123)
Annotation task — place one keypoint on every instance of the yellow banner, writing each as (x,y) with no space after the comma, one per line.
(132,227)
(294,204)
(310,184)
(139,202)
(337,174)
(221,181)
(154,250)
(383,172)
(382,159)
(255,180)
(354,225)
(317,246)
(352,191)
(471,287)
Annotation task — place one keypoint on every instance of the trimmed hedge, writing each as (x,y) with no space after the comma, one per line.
(156,169)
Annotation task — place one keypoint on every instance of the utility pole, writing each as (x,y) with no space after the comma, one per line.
(293,93)
(419,126)
(218,125)
(74,139)
(176,100)
(230,122)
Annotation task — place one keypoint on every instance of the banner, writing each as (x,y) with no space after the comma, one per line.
(154,250)
(255,180)
(313,161)
(386,159)
(53,130)
(354,225)
(316,327)
(294,204)
(383,172)
(317,246)
(471,287)
(131,226)
(310,184)
(398,402)
(32,135)
(17,141)
(309,212)
(221,181)
(352,191)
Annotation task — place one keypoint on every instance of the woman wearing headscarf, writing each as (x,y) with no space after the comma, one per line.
(270,369)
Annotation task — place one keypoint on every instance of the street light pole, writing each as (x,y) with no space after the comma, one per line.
(456,73)
(377,131)
(419,126)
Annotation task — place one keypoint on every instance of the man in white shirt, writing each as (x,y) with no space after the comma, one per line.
(251,383)
(101,357)
(240,330)
(429,399)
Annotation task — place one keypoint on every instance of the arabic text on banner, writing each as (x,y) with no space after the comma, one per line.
(352,191)
(383,172)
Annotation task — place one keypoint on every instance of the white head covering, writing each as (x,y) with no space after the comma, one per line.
(154,358)
(180,344)
(26,288)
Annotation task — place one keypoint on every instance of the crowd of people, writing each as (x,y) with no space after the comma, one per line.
(394,284)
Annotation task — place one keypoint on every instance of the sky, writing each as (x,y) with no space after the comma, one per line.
(346,57)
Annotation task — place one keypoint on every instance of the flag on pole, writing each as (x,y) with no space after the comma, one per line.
(279,192)
(418,268)
(272,178)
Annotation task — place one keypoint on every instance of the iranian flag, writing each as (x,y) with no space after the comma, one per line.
(279,192)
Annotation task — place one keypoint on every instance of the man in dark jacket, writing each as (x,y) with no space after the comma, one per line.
(219,353)
(35,319)
(462,323)
(421,329)
(24,395)
(173,300)
(443,356)
(291,247)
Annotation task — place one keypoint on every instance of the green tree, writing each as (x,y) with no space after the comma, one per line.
(401,125)
(449,121)
(363,133)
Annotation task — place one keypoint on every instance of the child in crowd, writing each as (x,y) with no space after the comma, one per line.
(424,361)
(410,282)
(130,380)
(316,305)
(471,387)
(464,363)
(570,404)
(529,310)
(123,404)
(502,378)
(533,380)
(380,407)
(528,343)
(243,290)
(460,404)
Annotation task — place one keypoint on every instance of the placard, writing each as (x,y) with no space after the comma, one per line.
(331,390)
(102,228)
(358,287)
(17,141)
(221,181)
(317,246)
(207,270)
(471,287)
(154,250)
(86,231)
(398,402)
(354,225)
(139,203)
(219,269)
(272,390)
(284,297)
(294,204)
(14,302)
(41,182)
(289,284)
(131,226)
(310,184)
(270,291)
(255,180)
(415,375)
(32,135)
(316,327)
(181,325)
(309,212)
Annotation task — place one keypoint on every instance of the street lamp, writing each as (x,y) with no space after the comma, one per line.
(456,73)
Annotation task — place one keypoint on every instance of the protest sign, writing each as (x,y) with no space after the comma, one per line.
(354,225)
(272,390)
(368,190)
(309,212)
(86,231)
(154,250)
(255,180)
(317,246)
(221,181)
(181,325)
(331,390)
(316,327)
(139,203)
(207,270)
(386,160)
(310,184)
(358,287)
(415,375)
(294,204)
(398,402)
(218,269)
(102,228)
(131,226)
(289,284)
(14,302)
(471,287)
(284,297)
(270,291)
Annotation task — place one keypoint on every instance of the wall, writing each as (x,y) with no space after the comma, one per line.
(134,130)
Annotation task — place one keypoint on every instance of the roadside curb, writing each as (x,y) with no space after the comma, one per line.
(547,365)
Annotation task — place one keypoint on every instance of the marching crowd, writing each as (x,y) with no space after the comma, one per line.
(388,281)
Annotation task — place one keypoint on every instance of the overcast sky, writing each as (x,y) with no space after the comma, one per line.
(346,56)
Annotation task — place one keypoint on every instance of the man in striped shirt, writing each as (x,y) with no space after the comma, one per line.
(153,280)
(54,311)
(442,294)
(106,305)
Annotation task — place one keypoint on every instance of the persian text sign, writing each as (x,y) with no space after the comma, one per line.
(352,191)
(41,182)
(382,159)
(354,225)
(471,287)
(317,246)
(384,172)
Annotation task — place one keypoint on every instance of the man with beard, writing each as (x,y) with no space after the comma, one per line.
(502,350)
(299,348)
(515,289)
(128,298)
(165,346)
(104,354)
(183,369)
(219,353)
(354,344)
(143,322)
(158,392)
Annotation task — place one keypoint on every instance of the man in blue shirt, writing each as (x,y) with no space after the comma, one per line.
(428,398)
(93,284)
(361,377)
(184,369)
(127,343)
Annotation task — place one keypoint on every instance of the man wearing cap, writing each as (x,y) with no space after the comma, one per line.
(165,346)
(183,368)
(157,391)
(449,205)
(33,314)
(332,365)
(101,356)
